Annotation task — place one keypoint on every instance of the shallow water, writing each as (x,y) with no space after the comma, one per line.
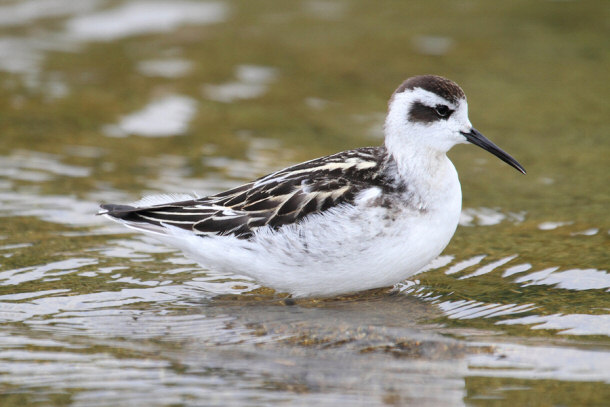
(107,101)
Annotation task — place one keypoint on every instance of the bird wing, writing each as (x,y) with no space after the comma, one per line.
(281,198)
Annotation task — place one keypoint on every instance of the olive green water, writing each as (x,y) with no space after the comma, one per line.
(107,101)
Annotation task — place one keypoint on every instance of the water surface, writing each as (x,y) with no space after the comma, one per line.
(108,101)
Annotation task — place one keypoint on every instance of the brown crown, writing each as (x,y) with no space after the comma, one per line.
(436,84)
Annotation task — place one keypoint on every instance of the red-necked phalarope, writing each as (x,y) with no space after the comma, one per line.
(351,221)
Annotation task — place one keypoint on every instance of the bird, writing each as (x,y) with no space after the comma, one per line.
(356,220)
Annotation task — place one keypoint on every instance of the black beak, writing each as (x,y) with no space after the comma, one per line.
(480,140)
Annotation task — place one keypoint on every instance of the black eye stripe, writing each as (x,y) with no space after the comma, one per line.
(427,114)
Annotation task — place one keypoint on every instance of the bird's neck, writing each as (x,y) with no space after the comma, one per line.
(424,173)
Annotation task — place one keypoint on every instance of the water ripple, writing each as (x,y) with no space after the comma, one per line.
(572,324)
(144,17)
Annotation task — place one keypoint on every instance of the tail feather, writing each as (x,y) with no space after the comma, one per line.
(115,210)
(127,216)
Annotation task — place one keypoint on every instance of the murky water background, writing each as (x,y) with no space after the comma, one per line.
(106,101)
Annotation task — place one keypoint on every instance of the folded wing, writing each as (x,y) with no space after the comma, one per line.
(281,198)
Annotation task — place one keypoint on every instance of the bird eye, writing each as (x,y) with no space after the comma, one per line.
(442,110)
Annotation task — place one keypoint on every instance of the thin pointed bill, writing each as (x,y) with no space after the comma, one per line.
(476,138)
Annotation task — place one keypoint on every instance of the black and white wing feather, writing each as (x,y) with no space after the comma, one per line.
(281,198)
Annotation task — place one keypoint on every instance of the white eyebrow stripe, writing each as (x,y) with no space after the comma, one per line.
(428,98)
